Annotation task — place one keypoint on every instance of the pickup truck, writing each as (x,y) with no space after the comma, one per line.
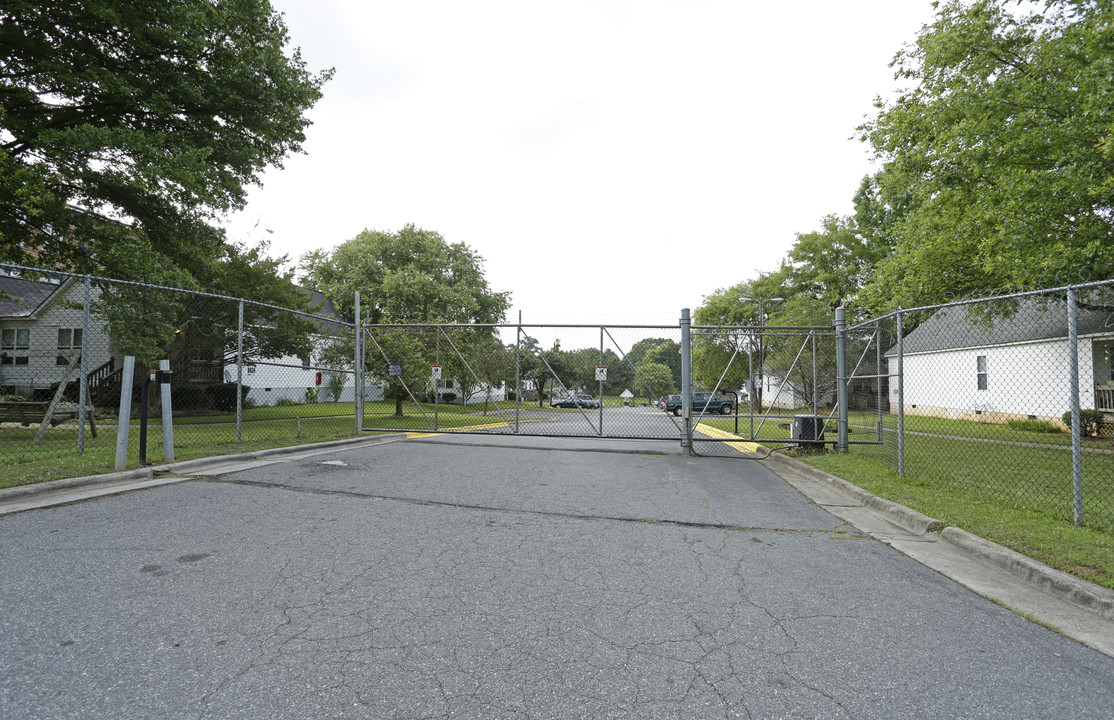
(704,402)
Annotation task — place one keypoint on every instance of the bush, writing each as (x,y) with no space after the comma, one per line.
(188,398)
(285,402)
(448,397)
(71,394)
(222,396)
(511,396)
(1040,426)
(1091,422)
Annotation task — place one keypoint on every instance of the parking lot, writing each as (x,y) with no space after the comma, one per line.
(448,577)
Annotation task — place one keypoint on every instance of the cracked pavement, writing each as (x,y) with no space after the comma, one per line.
(429,579)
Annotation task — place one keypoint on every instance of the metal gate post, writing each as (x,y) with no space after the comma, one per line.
(517,371)
(437,382)
(1076,426)
(686,380)
(83,385)
(358,363)
(240,375)
(841,376)
(601,383)
(900,397)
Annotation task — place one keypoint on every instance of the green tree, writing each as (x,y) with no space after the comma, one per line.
(654,380)
(667,353)
(409,276)
(127,128)
(202,330)
(1003,142)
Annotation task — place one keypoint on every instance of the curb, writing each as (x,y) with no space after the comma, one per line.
(918,523)
(1093,597)
(1080,593)
(23,492)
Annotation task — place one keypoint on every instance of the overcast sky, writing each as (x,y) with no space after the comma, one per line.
(613,161)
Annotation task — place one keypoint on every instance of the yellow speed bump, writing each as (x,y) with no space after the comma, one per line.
(740,444)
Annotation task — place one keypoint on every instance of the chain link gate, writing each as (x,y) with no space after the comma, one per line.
(547,380)
(787,385)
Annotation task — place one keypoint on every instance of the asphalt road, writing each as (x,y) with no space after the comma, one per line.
(435,579)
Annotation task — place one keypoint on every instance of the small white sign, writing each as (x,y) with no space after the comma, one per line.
(436,372)
(601,373)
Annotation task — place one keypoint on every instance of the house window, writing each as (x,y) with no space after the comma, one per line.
(68,339)
(14,343)
(981,371)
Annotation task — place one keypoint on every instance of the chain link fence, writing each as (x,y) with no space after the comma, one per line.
(980,398)
(72,346)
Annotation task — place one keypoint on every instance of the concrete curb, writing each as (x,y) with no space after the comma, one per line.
(1068,588)
(915,522)
(1096,598)
(23,492)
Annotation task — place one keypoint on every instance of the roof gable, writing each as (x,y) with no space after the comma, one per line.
(1036,319)
(22,298)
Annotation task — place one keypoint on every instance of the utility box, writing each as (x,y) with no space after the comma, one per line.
(808,429)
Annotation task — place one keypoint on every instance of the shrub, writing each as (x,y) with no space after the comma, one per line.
(511,395)
(1040,426)
(222,396)
(70,394)
(285,402)
(448,397)
(312,394)
(1091,422)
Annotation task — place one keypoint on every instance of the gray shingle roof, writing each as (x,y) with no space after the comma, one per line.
(20,298)
(956,327)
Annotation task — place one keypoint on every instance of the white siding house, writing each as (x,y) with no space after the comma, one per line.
(1015,367)
(40,325)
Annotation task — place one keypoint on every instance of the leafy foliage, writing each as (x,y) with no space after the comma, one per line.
(1004,142)
(410,276)
(125,128)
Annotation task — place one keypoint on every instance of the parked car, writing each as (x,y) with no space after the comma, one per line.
(667,400)
(704,402)
(577,401)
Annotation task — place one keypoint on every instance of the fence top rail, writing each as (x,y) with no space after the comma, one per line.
(980,300)
(765,328)
(63,274)
(512,326)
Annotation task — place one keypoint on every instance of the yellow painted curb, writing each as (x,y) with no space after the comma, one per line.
(713,432)
(451,429)
(479,427)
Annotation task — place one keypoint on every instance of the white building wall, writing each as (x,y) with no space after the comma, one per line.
(65,312)
(1022,380)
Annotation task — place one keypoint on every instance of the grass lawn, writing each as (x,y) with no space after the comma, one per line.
(1010,486)
(22,462)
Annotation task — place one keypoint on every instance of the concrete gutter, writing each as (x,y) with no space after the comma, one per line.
(1070,605)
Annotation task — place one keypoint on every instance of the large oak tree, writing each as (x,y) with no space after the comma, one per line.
(128,128)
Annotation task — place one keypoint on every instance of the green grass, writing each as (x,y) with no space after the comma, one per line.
(1087,551)
(1012,485)
(22,462)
